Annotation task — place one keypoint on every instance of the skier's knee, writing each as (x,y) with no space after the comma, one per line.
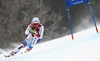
(38,40)
(24,43)
(30,46)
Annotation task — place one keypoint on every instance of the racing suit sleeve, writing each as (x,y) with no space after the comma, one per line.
(41,32)
(27,29)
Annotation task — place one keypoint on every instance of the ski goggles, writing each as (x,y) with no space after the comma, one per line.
(35,24)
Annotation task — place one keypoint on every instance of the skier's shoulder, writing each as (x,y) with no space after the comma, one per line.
(30,23)
(41,25)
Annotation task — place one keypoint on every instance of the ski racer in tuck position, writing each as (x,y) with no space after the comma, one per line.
(35,32)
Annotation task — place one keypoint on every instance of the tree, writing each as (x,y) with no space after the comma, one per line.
(17,14)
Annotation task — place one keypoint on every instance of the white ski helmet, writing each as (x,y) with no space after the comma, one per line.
(35,20)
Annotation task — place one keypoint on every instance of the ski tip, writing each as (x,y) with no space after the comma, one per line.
(7,56)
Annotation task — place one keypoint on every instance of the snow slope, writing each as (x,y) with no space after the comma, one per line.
(85,47)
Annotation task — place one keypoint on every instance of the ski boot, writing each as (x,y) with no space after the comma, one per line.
(10,54)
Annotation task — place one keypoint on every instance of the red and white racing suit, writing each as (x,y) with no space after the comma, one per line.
(31,38)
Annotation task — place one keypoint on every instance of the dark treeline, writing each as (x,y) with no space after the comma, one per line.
(15,15)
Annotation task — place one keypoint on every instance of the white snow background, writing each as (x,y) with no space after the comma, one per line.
(84,47)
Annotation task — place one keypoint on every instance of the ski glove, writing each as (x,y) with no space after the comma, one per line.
(33,31)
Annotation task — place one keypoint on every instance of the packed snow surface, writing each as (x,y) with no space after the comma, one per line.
(84,47)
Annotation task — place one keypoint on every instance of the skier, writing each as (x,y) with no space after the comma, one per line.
(35,32)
